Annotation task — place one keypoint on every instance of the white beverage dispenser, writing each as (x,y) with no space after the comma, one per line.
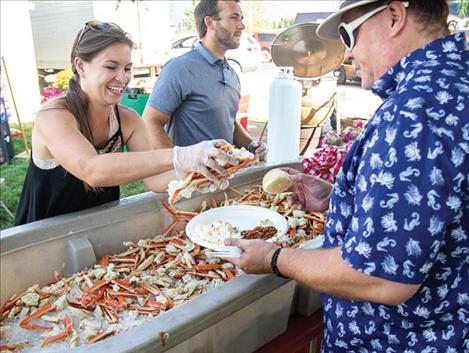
(300,100)
(283,135)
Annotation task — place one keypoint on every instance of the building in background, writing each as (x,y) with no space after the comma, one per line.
(37,36)
(19,57)
(56,23)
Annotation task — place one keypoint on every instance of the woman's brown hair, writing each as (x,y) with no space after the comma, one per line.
(92,38)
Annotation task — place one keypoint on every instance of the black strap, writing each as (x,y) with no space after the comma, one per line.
(273,263)
(124,145)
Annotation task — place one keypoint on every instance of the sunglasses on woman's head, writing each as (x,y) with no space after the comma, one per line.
(346,29)
(95,26)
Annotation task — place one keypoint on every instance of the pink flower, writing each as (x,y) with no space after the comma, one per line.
(51,92)
(359,124)
(326,162)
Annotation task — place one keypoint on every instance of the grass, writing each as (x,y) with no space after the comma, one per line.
(14,172)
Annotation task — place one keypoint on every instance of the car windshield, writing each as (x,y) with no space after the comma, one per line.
(266,37)
(251,40)
(186,42)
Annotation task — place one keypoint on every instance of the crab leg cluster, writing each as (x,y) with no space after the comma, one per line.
(198,181)
(179,216)
(148,278)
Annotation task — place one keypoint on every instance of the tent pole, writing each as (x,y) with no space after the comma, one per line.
(15,107)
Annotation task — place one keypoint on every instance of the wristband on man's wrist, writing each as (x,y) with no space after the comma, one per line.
(273,263)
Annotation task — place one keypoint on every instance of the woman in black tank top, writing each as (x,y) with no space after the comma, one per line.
(78,140)
(51,192)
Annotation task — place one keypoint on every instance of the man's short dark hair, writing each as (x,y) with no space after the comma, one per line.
(431,14)
(206,8)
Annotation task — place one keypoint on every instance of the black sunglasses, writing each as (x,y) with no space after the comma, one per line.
(96,26)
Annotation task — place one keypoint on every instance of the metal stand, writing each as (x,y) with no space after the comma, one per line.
(6,209)
(16,108)
(340,96)
(315,127)
(2,205)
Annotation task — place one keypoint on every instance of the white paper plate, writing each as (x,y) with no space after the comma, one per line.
(313,243)
(241,216)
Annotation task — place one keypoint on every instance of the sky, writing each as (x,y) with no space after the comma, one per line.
(288,9)
(277,9)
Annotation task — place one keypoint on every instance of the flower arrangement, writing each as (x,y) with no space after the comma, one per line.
(51,92)
(325,163)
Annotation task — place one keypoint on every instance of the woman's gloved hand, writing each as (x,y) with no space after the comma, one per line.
(199,157)
(259,149)
(308,192)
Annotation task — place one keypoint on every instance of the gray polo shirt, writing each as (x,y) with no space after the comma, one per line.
(201,94)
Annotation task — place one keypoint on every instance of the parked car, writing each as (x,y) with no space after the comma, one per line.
(245,58)
(346,73)
(265,39)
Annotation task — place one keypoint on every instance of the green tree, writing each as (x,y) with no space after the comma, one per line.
(187,24)
(462,7)
(254,15)
(62,78)
(118,2)
(283,23)
(253,12)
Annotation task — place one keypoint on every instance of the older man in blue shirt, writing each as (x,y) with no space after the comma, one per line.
(197,94)
(393,270)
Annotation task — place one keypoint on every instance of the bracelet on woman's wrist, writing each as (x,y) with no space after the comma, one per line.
(273,263)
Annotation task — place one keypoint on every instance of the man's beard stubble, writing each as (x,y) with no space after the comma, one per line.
(224,38)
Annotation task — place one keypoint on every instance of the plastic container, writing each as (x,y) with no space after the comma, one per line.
(283,136)
(135,101)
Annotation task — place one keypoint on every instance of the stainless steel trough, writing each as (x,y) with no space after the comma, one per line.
(238,316)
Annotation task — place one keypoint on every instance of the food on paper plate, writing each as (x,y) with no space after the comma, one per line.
(276,181)
(215,233)
(178,189)
(259,232)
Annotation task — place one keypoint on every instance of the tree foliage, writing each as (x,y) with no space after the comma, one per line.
(254,15)
(254,12)
(462,7)
(283,23)
(187,24)
(118,2)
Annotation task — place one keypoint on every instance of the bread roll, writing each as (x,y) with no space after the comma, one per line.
(276,181)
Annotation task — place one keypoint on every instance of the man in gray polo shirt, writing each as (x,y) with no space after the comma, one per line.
(197,94)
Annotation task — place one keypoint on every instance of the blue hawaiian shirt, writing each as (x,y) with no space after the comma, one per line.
(400,209)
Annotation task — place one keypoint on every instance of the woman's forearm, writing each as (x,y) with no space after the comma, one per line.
(114,168)
(159,183)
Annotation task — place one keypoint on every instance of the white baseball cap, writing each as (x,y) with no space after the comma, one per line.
(328,29)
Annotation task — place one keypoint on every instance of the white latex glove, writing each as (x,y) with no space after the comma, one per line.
(196,158)
(259,149)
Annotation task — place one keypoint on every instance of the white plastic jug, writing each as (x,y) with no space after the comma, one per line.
(283,136)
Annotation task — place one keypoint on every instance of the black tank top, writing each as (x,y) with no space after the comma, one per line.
(52,192)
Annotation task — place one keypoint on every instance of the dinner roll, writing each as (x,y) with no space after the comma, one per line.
(276,181)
